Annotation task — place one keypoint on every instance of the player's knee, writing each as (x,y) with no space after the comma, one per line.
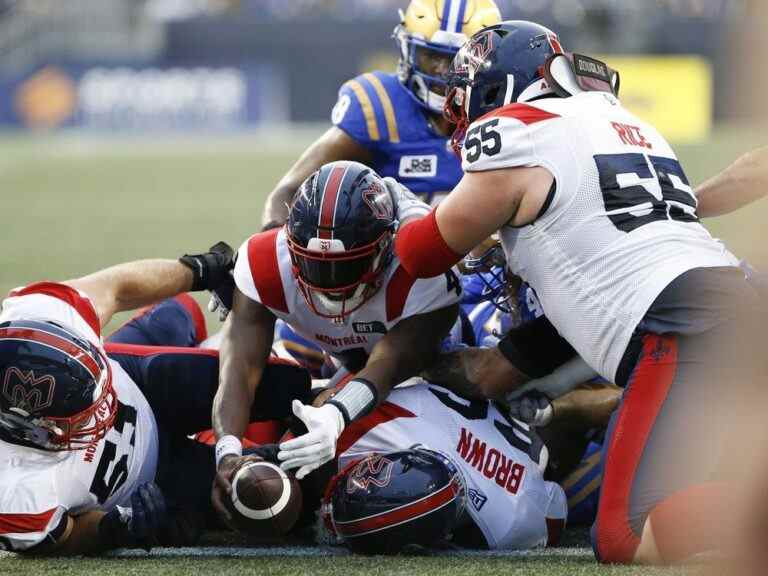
(613,543)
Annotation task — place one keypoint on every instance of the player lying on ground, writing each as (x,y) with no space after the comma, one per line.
(393,122)
(81,450)
(596,213)
(331,276)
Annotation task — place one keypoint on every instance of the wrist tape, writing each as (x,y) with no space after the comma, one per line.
(356,399)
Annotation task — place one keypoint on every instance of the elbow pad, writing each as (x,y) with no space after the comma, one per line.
(422,250)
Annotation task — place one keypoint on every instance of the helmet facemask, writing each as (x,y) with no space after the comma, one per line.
(336,282)
(491,268)
(66,433)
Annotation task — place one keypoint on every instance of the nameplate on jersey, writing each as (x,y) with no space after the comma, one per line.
(418,166)
(374,327)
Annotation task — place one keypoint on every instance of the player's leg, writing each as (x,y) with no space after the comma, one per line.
(177,321)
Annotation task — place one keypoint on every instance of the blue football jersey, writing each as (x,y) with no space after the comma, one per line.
(379,112)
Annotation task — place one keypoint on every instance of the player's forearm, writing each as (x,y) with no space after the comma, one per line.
(743,182)
(238,380)
(588,405)
(134,285)
(276,207)
(81,536)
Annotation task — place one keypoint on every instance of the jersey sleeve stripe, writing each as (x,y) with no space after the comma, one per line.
(385,412)
(265,270)
(523,112)
(25,523)
(367,107)
(397,292)
(66,294)
(386,105)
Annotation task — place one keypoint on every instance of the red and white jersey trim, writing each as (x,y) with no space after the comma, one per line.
(56,302)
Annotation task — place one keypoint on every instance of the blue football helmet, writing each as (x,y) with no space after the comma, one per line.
(490,268)
(385,502)
(57,392)
(340,231)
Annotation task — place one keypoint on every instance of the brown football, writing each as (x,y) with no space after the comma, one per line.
(266,500)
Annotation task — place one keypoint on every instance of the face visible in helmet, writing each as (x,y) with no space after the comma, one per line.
(429,35)
(340,231)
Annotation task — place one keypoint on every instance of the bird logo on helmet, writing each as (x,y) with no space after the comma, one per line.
(57,392)
(340,231)
(429,35)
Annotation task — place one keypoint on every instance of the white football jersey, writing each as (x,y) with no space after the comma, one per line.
(620,225)
(501,460)
(264,273)
(38,488)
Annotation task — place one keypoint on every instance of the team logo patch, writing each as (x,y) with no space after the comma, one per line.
(477,498)
(376,470)
(374,327)
(27,392)
(474,55)
(418,166)
(379,201)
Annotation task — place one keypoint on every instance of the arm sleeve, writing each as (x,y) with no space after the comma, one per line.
(422,250)
(536,348)
(50,301)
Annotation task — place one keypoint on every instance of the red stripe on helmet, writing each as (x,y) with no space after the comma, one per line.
(554,42)
(406,513)
(34,335)
(328,202)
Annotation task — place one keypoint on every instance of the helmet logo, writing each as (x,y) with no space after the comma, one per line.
(379,201)
(325,245)
(474,54)
(375,470)
(25,391)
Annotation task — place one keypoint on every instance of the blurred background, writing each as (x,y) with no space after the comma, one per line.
(140,128)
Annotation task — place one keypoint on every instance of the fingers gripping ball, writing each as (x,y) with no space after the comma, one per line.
(266,501)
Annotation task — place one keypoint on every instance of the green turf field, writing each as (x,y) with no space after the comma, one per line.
(71,205)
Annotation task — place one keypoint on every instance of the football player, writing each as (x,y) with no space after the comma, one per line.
(393,122)
(331,275)
(92,447)
(596,213)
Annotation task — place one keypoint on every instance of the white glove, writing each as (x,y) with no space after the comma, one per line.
(407,205)
(215,304)
(318,445)
(534,409)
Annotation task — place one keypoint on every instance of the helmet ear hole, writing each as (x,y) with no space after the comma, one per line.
(490,95)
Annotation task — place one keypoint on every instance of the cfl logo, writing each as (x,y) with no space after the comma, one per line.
(325,245)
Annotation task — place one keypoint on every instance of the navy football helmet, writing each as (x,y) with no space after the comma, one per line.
(385,502)
(57,389)
(490,267)
(340,230)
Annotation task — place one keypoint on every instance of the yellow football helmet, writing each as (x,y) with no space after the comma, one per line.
(429,35)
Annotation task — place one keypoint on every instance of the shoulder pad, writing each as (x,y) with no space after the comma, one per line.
(504,138)
(365,108)
(257,271)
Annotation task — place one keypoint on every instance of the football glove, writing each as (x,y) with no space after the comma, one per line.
(534,408)
(316,447)
(211,269)
(137,526)
(407,205)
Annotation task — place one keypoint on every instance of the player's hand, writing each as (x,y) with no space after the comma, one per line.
(533,408)
(211,269)
(221,492)
(318,445)
(137,526)
(221,298)
(407,205)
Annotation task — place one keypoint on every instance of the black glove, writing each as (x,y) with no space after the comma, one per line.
(137,526)
(211,269)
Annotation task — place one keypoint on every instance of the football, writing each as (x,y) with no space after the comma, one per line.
(266,501)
